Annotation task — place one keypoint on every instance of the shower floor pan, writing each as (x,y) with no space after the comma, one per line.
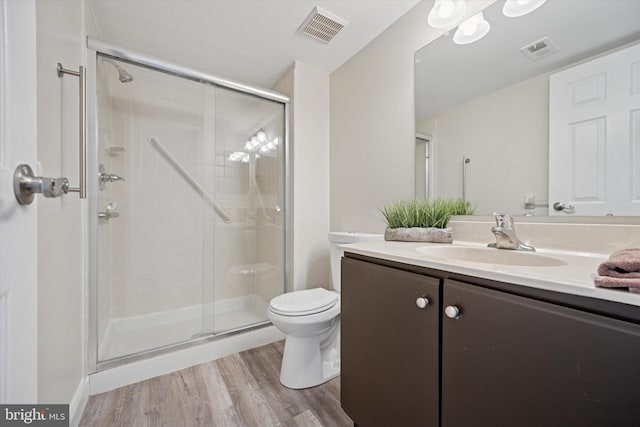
(130,335)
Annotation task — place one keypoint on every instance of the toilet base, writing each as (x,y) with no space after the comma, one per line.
(311,361)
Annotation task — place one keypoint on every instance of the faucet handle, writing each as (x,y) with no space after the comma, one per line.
(503,220)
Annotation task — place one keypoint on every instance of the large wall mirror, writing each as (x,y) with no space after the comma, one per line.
(482,109)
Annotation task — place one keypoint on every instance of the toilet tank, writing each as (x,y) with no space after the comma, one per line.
(340,238)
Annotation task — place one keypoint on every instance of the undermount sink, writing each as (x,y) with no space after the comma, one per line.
(491,256)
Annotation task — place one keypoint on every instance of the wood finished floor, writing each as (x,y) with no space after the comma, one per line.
(240,390)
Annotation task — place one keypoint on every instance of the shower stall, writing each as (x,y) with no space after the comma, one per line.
(188,209)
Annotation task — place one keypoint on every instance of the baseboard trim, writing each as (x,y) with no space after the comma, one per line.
(78,402)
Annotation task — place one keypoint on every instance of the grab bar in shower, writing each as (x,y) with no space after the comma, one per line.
(465,162)
(190,180)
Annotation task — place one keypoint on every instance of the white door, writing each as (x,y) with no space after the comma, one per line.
(594,136)
(18,224)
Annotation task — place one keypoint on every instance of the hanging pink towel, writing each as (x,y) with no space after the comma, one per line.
(621,270)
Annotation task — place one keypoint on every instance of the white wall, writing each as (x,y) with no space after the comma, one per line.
(61,224)
(309,91)
(505,135)
(372,122)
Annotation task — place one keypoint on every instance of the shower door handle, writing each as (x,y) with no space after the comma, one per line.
(26,185)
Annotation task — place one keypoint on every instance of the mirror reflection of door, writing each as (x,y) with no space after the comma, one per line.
(423,166)
(498,113)
(594,136)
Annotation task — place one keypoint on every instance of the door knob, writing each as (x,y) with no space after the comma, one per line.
(452,312)
(422,302)
(559,206)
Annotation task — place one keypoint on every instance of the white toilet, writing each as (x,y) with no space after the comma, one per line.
(310,319)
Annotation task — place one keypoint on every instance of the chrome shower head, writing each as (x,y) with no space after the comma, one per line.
(123,75)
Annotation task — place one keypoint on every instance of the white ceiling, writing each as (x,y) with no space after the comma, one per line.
(250,41)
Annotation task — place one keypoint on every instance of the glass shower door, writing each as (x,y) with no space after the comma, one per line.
(249,183)
(190,235)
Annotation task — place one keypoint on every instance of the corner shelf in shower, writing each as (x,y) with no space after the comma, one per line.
(114,150)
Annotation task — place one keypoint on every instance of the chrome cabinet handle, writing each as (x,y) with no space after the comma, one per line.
(422,302)
(452,312)
(26,185)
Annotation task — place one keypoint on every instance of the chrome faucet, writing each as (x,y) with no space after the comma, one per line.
(110,212)
(104,177)
(505,233)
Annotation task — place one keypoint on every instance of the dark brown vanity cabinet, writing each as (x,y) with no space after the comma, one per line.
(390,346)
(514,361)
(505,359)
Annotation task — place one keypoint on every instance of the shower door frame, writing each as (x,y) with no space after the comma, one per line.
(95,47)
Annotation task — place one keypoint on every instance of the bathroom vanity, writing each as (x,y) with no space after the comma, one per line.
(434,342)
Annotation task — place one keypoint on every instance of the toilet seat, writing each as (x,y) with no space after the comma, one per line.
(305,302)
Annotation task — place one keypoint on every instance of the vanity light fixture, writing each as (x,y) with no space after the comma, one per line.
(515,8)
(472,30)
(446,13)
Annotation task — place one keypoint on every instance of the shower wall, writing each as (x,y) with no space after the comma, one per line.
(168,261)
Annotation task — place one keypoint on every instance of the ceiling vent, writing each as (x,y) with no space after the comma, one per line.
(539,49)
(322,25)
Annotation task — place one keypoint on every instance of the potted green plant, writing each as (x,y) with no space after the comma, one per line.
(423,220)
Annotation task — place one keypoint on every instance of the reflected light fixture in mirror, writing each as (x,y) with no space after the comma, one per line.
(472,30)
(446,13)
(258,142)
(515,8)
(261,135)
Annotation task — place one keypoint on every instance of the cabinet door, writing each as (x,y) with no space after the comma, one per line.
(513,361)
(389,346)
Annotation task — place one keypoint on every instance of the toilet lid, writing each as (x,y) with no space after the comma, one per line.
(300,303)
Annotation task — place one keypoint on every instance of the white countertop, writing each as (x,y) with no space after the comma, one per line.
(576,277)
